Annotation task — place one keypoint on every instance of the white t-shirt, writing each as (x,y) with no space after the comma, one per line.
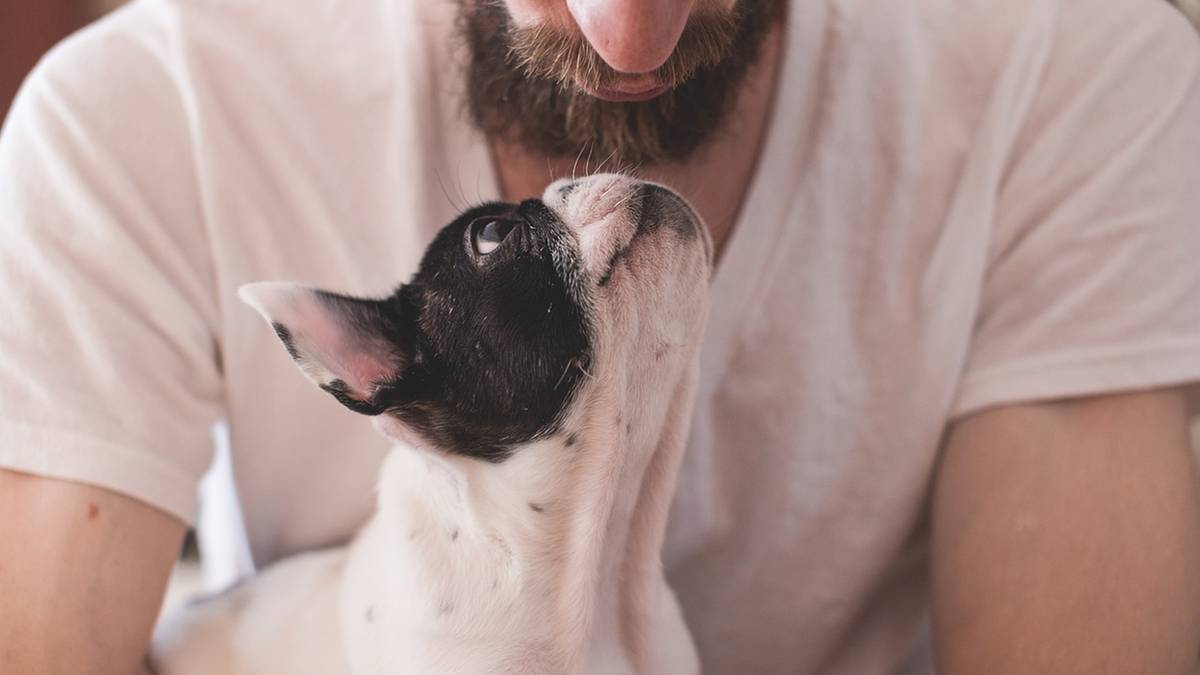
(959,205)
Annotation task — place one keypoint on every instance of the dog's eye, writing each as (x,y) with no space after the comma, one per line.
(488,233)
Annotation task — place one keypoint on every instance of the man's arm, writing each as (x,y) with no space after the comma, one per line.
(1066,539)
(82,574)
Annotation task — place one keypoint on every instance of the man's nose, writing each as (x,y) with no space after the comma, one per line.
(632,36)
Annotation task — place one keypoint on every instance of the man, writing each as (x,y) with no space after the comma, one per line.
(954,311)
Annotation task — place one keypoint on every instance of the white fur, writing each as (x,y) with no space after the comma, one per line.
(545,563)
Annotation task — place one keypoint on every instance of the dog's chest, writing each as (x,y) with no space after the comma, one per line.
(430,588)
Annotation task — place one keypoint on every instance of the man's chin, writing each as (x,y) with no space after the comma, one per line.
(622,95)
(634,119)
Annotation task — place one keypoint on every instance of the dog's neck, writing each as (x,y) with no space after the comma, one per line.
(566,534)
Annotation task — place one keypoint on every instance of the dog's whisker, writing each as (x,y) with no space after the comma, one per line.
(458,180)
(575,165)
(625,200)
(579,364)
(607,191)
(610,157)
(562,377)
(445,193)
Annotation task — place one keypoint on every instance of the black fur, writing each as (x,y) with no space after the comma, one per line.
(285,336)
(658,205)
(484,346)
(342,393)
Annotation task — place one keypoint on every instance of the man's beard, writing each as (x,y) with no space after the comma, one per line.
(524,85)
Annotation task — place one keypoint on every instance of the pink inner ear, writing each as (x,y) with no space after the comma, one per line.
(364,371)
(329,348)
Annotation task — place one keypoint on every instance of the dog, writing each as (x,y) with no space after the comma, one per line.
(537,375)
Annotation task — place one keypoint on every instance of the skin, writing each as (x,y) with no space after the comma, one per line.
(1066,539)
(1065,534)
(632,36)
(82,574)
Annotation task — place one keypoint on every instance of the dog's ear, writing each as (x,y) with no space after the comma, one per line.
(350,347)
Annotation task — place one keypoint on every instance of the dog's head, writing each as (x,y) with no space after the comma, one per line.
(495,340)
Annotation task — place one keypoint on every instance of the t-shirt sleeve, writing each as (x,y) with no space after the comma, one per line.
(1093,284)
(108,366)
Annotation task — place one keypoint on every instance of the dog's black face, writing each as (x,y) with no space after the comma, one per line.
(496,334)
(487,346)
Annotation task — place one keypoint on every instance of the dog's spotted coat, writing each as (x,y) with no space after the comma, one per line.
(537,374)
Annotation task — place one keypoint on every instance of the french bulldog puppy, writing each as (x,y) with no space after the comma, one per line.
(537,374)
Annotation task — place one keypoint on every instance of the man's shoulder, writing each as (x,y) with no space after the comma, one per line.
(109,89)
(963,60)
(982,19)
(234,49)
(987,35)
(122,49)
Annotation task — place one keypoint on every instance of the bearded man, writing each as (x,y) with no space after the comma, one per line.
(942,415)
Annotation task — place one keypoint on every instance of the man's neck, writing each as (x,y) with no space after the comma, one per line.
(715,181)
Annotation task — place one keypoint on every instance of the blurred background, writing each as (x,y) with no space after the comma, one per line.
(27,29)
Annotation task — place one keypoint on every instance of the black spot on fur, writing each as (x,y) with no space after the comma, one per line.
(445,608)
(612,264)
(342,393)
(454,535)
(537,508)
(659,205)
(571,440)
(369,615)
(285,336)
